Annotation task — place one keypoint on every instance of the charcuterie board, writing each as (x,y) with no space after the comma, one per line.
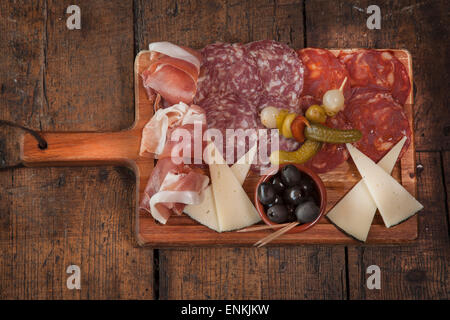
(122,148)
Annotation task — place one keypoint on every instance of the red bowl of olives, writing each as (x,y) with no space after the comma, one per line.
(291,193)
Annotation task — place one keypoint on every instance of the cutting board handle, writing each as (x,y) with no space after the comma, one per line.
(82,148)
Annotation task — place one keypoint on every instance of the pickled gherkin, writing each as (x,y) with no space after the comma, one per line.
(321,133)
(301,155)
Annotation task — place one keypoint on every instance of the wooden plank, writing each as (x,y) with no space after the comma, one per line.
(21,73)
(243,273)
(89,74)
(58,217)
(191,23)
(418,271)
(408,24)
(55,217)
(446,167)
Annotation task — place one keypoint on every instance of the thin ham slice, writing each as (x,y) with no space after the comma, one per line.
(173,73)
(170,187)
(177,51)
(158,130)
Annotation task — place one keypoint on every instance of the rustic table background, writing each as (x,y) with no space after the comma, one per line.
(52,78)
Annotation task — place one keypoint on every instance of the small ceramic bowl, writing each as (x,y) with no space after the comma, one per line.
(320,189)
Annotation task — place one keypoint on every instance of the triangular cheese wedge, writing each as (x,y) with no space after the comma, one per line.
(393,201)
(233,206)
(205,212)
(354,213)
(242,166)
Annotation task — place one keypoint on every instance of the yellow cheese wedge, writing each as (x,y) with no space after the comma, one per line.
(393,201)
(205,212)
(354,213)
(233,206)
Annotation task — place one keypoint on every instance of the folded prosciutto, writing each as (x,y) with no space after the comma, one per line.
(173,73)
(171,187)
(171,136)
(158,130)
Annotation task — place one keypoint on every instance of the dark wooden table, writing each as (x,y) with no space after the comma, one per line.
(52,78)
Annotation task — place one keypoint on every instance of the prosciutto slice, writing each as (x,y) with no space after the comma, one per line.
(158,130)
(171,187)
(173,73)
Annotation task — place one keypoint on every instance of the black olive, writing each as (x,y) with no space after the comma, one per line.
(291,213)
(308,187)
(278,184)
(290,175)
(278,200)
(278,213)
(291,208)
(294,195)
(266,193)
(307,212)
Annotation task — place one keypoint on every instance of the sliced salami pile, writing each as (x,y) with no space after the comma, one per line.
(236,81)
(378,70)
(381,120)
(378,87)
(323,72)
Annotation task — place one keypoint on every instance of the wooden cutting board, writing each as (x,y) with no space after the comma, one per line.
(122,148)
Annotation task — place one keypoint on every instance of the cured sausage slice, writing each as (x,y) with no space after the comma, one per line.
(323,72)
(279,103)
(381,120)
(379,70)
(217,59)
(280,69)
(331,155)
(231,112)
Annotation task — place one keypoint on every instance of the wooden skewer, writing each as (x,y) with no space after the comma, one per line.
(275,235)
(343,84)
(256,228)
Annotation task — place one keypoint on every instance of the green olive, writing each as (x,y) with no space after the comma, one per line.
(316,113)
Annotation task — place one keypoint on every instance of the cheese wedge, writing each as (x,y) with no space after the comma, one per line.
(242,166)
(205,212)
(354,213)
(393,201)
(233,206)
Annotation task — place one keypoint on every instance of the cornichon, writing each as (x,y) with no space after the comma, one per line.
(319,132)
(301,155)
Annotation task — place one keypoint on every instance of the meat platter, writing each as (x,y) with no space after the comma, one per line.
(126,147)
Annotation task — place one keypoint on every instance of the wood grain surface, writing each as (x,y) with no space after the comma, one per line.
(36,92)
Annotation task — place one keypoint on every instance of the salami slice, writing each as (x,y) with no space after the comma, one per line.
(381,120)
(227,68)
(331,155)
(279,103)
(280,69)
(379,70)
(231,112)
(217,60)
(323,72)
